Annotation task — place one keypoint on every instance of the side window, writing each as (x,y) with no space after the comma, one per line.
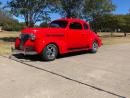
(75,25)
(85,26)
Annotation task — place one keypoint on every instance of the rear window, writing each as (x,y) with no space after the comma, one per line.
(85,26)
(58,24)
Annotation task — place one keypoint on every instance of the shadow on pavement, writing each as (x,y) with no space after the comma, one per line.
(8,39)
(38,58)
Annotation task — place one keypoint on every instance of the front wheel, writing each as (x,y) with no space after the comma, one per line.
(94,47)
(50,52)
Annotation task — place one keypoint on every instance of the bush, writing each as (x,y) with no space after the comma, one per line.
(8,23)
(44,24)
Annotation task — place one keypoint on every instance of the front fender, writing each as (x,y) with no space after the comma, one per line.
(17,43)
(41,44)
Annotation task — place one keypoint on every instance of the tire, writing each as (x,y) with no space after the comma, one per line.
(50,52)
(94,47)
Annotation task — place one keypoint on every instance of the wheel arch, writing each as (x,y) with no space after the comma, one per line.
(62,48)
(91,42)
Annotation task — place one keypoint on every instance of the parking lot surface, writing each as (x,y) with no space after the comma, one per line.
(105,74)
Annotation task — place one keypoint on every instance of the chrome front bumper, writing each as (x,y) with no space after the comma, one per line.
(25,52)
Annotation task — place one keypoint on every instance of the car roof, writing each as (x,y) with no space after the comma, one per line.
(72,19)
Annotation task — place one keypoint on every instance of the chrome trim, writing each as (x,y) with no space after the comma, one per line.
(16,51)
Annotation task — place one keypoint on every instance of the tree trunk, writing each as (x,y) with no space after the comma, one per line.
(125,34)
(26,20)
(31,22)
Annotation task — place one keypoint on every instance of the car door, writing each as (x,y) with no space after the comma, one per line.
(85,35)
(74,36)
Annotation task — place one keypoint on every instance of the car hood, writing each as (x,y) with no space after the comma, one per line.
(34,30)
(42,30)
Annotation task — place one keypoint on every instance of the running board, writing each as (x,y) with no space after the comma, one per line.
(77,49)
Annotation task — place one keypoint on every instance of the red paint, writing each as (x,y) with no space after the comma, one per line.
(66,39)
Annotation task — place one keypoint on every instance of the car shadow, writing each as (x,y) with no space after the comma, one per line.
(8,39)
(72,54)
(32,58)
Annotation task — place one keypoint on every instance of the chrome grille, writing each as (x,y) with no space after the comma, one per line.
(24,38)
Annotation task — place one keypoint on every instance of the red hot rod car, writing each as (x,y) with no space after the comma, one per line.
(62,36)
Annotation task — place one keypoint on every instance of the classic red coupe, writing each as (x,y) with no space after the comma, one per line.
(62,36)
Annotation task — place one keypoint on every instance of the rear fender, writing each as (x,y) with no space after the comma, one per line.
(94,37)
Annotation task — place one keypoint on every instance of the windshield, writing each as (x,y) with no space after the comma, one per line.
(58,24)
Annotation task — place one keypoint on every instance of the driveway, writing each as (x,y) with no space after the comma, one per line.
(105,74)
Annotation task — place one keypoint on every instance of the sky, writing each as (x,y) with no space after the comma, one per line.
(122,7)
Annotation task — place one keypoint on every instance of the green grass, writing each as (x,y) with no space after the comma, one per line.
(112,40)
(117,38)
(9,34)
(5,48)
(5,41)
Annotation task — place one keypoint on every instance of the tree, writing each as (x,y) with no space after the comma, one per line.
(7,22)
(44,24)
(32,11)
(126,23)
(68,8)
(84,8)
(96,8)
(105,23)
(0,3)
(112,23)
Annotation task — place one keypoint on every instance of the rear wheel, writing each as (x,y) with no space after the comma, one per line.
(94,47)
(50,52)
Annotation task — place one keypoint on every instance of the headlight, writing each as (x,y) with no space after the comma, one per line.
(32,37)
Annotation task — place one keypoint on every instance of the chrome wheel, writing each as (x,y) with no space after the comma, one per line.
(94,47)
(50,52)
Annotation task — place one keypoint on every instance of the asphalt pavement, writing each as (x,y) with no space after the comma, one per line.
(105,74)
